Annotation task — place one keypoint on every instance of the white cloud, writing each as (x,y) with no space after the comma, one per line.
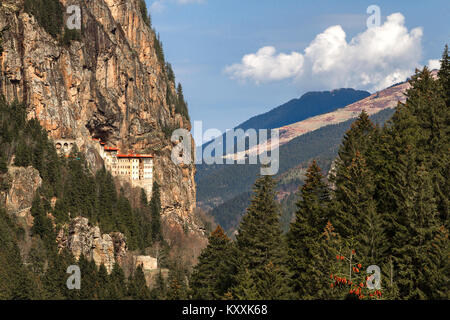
(434,64)
(374,59)
(265,65)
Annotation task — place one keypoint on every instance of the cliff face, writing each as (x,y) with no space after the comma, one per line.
(108,85)
(23,184)
(81,238)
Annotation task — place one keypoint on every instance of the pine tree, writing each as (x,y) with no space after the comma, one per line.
(116,284)
(213,275)
(181,106)
(42,225)
(439,272)
(329,246)
(54,280)
(260,242)
(443,185)
(155,209)
(417,153)
(416,224)
(177,288)
(102,283)
(160,289)
(356,215)
(137,286)
(305,233)
(357,139)
(89,285)
(144,13)
(246,288)
(144,200)
(15,280)
(444,74)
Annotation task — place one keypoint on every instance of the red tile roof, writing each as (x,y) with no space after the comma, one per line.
(134,156)
(111,148)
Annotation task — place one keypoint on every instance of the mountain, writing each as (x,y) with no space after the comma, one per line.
(381,100)
(308,105)
(110,83)
(223,188)
(107,82)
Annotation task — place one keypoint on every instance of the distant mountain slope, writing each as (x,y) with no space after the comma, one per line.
(387,98)
(384,99)
(226,189)
(223,183)
(308,105)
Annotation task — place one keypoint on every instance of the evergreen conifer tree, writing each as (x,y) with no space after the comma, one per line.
(137,286)
(305,233)
(155,209)
(213,275)
(261,245)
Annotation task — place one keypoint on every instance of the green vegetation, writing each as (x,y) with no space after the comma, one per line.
(181,106)
(48,13)
(41,274)
(253,267)
(387,205)
(262,272)
(70,35)
(144,12)
(310,219)
(155,211)
(158,48)
(212,277)
(232,183)
(16,281)
(170,73)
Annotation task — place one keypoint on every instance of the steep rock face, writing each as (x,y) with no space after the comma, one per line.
(83,239)
(23,185)
(109,85)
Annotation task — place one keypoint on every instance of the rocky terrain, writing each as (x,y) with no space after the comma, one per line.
(109,85)
(81,238)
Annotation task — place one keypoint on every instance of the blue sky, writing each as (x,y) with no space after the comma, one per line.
(206,40)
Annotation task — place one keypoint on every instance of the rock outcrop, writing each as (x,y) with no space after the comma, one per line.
(146,262)
(23,184)
(109,85)
(83,239)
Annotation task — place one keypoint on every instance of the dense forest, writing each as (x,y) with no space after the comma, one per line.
(234,179)
(386,205)
(237,179)
(40,273)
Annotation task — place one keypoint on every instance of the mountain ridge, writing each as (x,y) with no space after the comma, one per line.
(214,188)
(320,100)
